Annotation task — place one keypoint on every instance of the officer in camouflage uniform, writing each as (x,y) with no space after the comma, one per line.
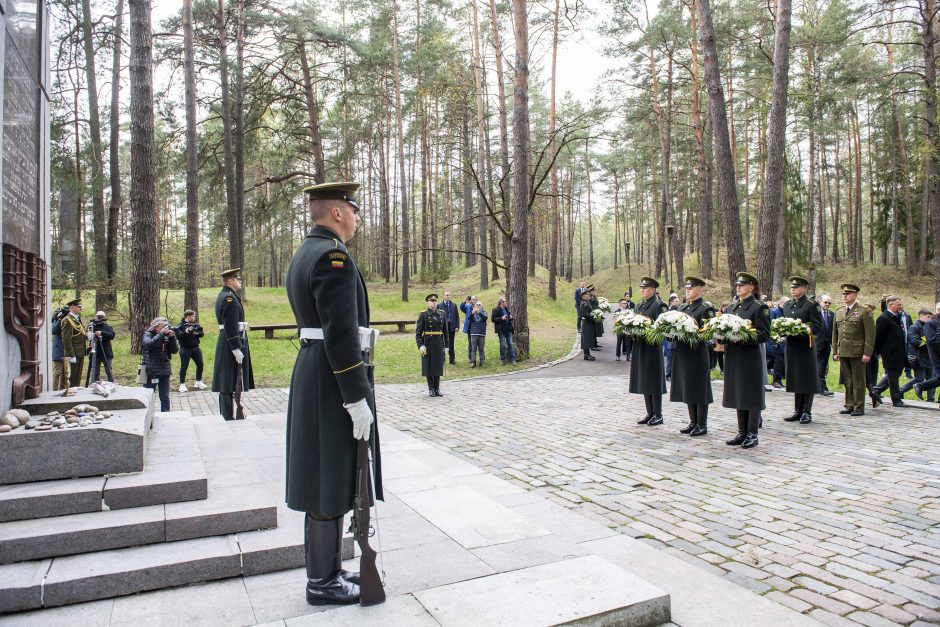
(691,366)
(801,366)
(74,341)
(853,342)
(331,403)
(647,367)
(231,348)
(431,336)
(745,362)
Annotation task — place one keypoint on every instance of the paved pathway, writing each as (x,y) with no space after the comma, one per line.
(839,519)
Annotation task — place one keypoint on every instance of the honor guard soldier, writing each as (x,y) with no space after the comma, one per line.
(853,341)
(801,367)
(745,364)
(74,341)
(588,339)
(648,368)
(691,366)
(431,337)
(231,349)
(331,403)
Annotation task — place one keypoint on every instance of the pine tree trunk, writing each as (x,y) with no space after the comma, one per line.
(191,295)
(145,283)
(114,208)
(517,279)
(728,193)
(556,218)
(704,175)
(482,145)
(313,114)
(239,133)
(405,234)
(931,169)
(231,212)
(772,214)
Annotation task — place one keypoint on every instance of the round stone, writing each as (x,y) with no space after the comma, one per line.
(58,422)
(72,419)
(43,427)
(32,424)
(70,412)
(9,419)
(21,414)
(52,414)
(5,428)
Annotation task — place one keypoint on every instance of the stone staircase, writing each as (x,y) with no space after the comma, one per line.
(198,511)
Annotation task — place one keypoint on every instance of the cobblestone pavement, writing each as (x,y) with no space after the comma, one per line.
(837,519)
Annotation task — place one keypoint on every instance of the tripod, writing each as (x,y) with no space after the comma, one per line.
(93,362)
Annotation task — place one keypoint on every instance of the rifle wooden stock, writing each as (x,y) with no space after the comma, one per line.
(239,388)
(371,591)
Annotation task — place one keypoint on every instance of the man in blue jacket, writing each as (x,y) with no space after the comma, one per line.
(467,308)
(452,318)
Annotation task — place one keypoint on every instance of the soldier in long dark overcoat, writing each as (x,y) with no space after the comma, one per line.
(691,365)
(598,324)
(588,339)
(431,336)
(647,366)
(745,362)
(231,347)
(802,367)
(331,403)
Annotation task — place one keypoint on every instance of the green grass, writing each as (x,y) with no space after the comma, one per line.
(552,329)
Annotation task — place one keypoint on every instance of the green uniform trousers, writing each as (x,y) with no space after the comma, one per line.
(853,376)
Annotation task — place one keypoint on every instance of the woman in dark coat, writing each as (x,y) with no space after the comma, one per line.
(158,346)
(588,339)
(691,366)
(647,367)
(430,333)
(745,363)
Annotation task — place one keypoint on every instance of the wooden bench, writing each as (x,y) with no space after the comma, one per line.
(269,329)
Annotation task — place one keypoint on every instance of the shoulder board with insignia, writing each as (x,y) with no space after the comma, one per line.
(229,299)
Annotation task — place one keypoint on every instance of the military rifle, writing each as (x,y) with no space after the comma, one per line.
(371,590)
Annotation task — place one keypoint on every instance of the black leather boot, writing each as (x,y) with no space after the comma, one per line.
(649,410)
(750,441)
(656,409)
(742,429)
(351,577)
(691,427)
(326,583)
(701,421)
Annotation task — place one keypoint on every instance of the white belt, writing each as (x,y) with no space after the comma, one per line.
(241,326)
(312,333)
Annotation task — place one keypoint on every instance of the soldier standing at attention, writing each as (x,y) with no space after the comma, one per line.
(331,403)
(231,349)
(647,368)
(691,366)
(430,333)
(853,341)
(744,362)
(74,341)
(587,326)
(801,367)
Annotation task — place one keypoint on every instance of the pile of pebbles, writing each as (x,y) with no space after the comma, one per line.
(79,416)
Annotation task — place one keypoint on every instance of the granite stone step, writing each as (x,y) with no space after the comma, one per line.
(225,511)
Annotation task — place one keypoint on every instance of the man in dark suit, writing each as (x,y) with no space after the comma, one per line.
(452,317)
(890,344)
(824,343)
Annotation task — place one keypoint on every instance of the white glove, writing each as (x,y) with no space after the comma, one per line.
(74,360)
(239,355)
(361,418)
(242,326)
(424,350)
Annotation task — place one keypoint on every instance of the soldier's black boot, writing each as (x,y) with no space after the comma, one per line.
(649,410)
(692,417)
(588,356)
(437,386)
(807,416)
(742,429)
(753,420)
(750,441)
(431,386)
(657,407)
(701,421)
(227,405)
(797,408)
(326,583)
(351,577)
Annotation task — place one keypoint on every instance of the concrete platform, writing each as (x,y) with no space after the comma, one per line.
(117,445)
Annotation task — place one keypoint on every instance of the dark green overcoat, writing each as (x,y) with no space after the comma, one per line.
(691,366)
(588,337)
(435,325)
(802,377)
(647,366)
(228,313)
(326,291)
(745,366)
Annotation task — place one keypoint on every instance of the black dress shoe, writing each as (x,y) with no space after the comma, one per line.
(827,393)
(806,418)
(431,393)
(875,400)
(438,392)
(689,429)
(699,430)
(918,391)
(857,412)
(644,421)
(900,404)
(796,416)
(736,440)
(590,358)
(655,420)
(336,589)
(750,441)
(847,410)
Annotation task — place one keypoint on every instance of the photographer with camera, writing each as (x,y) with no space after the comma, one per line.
(60,363)
(158,346)
(188,334)
(467,308)
(100,334)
